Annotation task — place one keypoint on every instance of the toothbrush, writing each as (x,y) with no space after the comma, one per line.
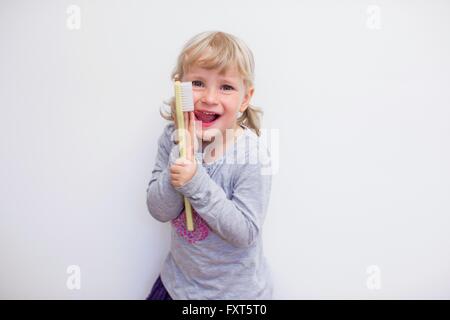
(184,102)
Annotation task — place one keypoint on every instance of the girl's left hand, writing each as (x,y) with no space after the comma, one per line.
(182,170)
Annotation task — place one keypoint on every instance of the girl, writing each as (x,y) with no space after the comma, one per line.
(229,193)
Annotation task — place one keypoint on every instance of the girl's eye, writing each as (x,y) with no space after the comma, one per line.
(196,83)
(228,87)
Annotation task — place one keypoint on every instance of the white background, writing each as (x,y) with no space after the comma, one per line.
(361,102)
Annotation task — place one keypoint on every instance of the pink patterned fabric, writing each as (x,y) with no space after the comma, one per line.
(201,229)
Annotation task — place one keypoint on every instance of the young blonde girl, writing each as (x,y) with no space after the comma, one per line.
(229,193)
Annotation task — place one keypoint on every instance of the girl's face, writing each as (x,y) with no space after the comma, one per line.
(217,99)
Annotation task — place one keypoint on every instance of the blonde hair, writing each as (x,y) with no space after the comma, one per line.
(219,50)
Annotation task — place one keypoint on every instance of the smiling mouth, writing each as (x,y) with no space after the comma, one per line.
(206,117)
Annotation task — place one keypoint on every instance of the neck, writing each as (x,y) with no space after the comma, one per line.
(216,151)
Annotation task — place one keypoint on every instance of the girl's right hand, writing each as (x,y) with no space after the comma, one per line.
(192,143)
(182,170)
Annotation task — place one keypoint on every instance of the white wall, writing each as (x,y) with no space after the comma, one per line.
(361,102)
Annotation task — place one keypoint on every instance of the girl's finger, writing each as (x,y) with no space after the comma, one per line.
(195,124)
(192,130)
(188,137)
(191,121)
(186,120)
(188,147)
(186,123)
(178,163)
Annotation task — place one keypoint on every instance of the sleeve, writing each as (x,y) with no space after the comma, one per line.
(237,220)
(164,202)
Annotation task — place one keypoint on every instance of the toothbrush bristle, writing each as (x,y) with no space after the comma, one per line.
(187,98)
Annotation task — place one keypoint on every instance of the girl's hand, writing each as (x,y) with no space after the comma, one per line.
(182,170)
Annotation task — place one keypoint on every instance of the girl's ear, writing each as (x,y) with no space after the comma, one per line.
(246,101)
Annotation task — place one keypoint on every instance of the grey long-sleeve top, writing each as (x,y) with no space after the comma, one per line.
(223,257)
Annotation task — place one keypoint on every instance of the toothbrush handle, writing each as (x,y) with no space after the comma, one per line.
(182,146)
(187,205)
(188,210)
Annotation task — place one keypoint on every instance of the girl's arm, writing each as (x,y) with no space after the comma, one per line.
(164,202)
(237,220)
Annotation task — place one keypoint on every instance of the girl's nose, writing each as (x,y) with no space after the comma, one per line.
(210,96)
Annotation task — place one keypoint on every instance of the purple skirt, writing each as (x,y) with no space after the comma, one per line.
(159,292)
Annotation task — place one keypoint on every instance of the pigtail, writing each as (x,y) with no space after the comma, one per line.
(170,115)
(251,118)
